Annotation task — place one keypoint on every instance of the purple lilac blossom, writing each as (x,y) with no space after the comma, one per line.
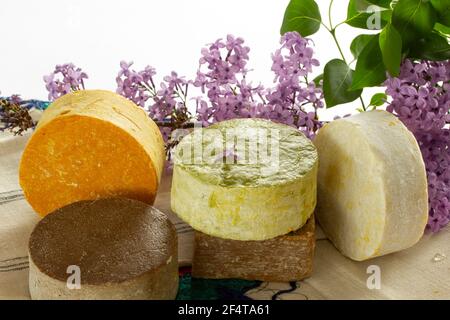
(226,91)
(64,79)
(165,104)
(421,100)
(230,95)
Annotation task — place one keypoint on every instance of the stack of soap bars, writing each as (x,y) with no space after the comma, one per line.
(91,151)
(248,188)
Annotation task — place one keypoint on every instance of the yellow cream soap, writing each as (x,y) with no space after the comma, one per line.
(245,179)
(372,187)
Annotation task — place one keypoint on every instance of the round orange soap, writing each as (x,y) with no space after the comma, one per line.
(91,144)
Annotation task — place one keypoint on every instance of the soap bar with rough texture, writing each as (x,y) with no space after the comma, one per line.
(281,259)
(90,145)
(372,186)
(116,248)
(254,180)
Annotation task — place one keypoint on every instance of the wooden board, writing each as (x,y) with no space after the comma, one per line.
(282,259)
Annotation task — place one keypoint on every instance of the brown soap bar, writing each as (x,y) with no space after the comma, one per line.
(123,248)
(281,259)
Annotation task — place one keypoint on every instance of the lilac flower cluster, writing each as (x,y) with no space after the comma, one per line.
(293,92)
(64,79)
(421,100)
(230,95)
(136,86)
(225,91)
(168,102)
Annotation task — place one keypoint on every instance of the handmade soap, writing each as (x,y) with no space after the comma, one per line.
(90,145)
(115,248)
(281,259)
(245,179)
(372,186)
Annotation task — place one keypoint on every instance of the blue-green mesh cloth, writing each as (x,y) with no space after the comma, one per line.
(210,289)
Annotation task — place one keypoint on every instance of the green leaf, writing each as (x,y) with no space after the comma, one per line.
(442,8)
(381,3)
(370,70)
(336,81)
(378,99)
(434,47)
(359,43)
(413,19)
(317,79)
(441,28)
(358,15)
(302,16)
(391,49)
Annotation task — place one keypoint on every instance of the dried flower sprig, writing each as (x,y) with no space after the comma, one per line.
(14,116)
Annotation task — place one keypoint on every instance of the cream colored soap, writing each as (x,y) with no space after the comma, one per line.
(251,196)
(372,186)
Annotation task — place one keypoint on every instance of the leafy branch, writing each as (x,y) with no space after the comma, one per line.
(416,29)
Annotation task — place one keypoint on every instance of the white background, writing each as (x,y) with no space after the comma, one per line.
(167,34)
